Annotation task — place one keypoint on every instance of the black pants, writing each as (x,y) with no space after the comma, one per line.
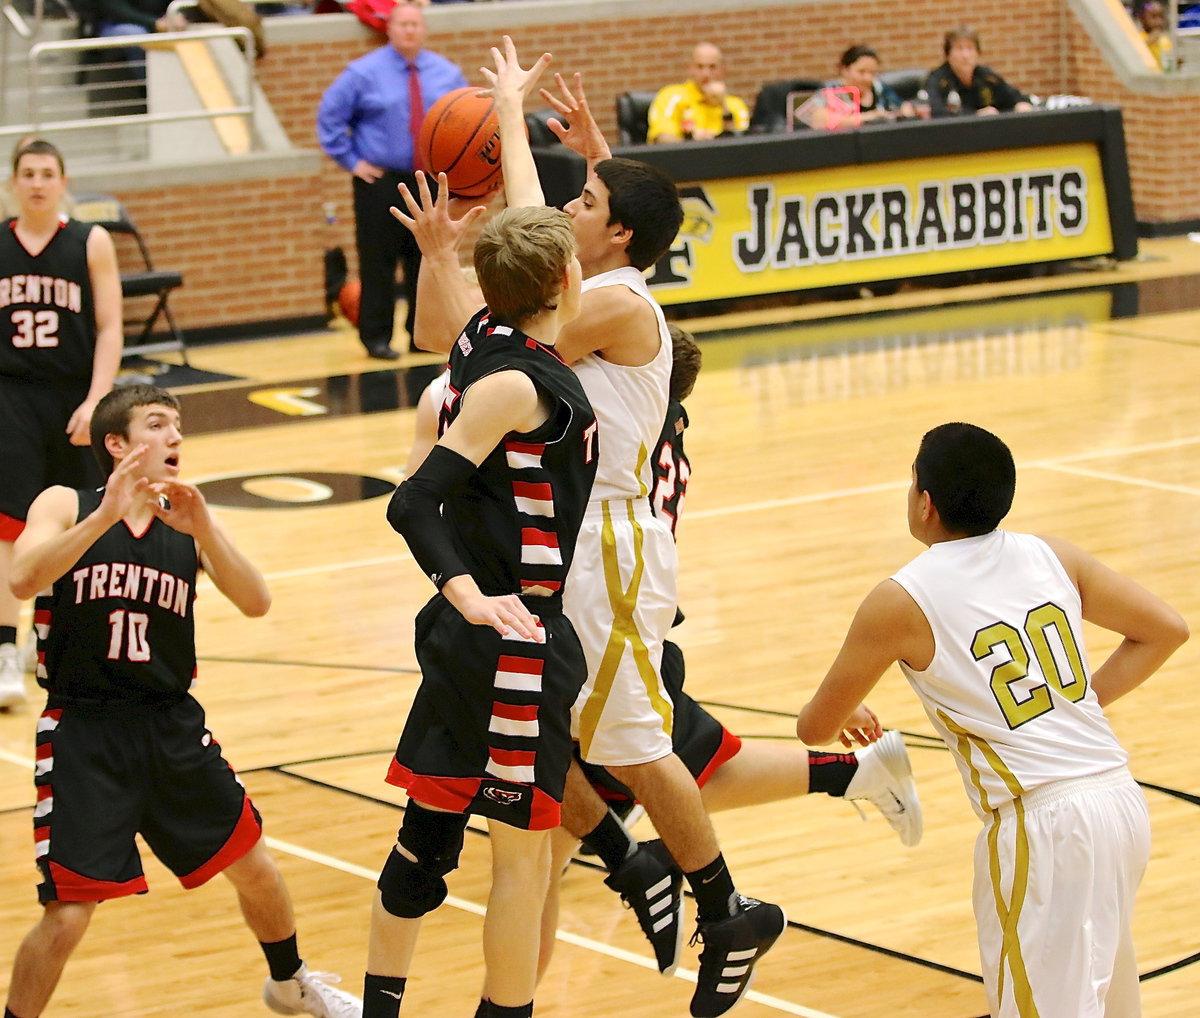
(382,241)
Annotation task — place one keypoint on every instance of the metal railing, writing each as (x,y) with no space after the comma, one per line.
(179,6)
(85,86)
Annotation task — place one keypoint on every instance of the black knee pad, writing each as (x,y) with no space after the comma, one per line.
(410,889)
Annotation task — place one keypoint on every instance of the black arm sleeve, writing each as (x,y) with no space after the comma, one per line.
(415,513)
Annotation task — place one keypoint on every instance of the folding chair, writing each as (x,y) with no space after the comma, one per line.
(771,106)
(633,116)
(106,210)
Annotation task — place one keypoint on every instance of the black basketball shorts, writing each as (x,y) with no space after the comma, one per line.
(490,728)
(35,450)
(104,776)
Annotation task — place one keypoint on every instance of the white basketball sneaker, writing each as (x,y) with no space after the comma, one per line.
(12,677)
(310,993)
(884,778)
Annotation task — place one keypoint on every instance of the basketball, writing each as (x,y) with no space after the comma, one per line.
(460,137)
(348,300)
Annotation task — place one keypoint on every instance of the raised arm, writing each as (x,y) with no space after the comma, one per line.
(1151,628)
(510,84)
(580,133)
(445,300)
(53,541)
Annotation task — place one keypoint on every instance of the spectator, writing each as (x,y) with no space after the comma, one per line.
(134,17)
(963,85)
(859,68)
(367,126)
(700,108)
(1151,18)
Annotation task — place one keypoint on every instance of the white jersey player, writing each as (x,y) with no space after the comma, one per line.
(988,627)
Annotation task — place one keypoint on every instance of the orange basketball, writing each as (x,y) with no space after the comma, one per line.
(460,137)
(348,300)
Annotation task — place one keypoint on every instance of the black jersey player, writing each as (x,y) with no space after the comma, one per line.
(491,516)
(122,746)
(60,347)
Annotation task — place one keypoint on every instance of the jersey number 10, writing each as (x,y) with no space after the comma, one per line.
(128,628)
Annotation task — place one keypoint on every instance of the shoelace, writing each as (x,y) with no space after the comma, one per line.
(325,978)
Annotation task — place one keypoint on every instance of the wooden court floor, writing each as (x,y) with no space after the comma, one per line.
(803,430)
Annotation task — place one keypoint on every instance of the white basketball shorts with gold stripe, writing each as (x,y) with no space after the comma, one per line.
(620,597)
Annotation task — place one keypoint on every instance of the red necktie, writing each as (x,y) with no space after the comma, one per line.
(416,113)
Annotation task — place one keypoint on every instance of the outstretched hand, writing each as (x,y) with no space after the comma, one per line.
(580,133)
(509,80)
(429,218)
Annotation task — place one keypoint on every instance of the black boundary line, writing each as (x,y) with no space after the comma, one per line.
(282,769)
(1185,796)
(1118,333)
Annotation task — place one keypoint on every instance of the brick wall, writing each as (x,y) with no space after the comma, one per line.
(1162,134)
(260,258)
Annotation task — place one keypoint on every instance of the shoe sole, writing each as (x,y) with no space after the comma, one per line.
(670,969)
(279,1008)
(754,969)
(894,756)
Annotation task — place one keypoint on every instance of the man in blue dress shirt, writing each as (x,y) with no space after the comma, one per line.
(365,123)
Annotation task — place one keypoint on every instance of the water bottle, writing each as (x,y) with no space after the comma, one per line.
(921,105)
(687,124)
(953,102)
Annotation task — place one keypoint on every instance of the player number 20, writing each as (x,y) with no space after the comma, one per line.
(1070,681)
(34,328)
(128,628)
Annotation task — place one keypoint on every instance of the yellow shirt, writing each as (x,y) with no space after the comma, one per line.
(680,109)
(1160,47)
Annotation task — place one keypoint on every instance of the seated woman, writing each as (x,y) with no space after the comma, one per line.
(859,68)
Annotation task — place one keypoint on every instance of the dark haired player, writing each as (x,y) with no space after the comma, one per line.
(987,626)
(60,347)
(122,746)
(622,596)
(731,773)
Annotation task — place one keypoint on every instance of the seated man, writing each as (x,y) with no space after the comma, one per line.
(700,108)
(963,85)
